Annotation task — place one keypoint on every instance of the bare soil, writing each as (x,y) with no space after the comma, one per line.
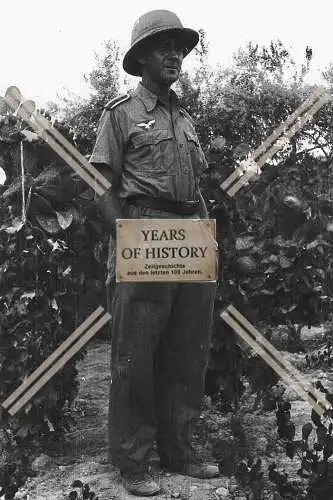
(82,454)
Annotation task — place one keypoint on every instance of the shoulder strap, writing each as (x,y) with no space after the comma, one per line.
(116,101)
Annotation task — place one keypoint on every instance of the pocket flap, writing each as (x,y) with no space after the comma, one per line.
(154,137)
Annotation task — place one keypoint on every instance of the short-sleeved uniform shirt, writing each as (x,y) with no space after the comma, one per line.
(154,150)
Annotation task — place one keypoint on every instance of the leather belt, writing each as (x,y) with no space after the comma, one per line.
(187,207)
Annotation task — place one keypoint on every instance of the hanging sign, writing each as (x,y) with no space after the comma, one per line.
(166,250)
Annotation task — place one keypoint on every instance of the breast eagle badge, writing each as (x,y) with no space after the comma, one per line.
(146,125)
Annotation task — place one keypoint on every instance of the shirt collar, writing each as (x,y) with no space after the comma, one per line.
(150,99)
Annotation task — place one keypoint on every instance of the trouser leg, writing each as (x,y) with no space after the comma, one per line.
(139,317)
(180,365)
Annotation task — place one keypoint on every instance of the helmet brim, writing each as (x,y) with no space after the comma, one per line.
(132,66)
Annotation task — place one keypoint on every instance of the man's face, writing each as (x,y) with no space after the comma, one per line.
(162,58)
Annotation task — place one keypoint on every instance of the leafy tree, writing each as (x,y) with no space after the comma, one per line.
(83,113)
(276,273)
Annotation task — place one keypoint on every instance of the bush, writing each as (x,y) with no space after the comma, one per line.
(56,255)
(277,270)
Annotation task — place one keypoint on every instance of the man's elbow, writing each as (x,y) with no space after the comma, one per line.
(108,173)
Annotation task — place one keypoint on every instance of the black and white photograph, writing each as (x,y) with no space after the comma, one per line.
(166,250)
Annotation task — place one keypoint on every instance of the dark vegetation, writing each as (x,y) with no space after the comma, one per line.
(275,242)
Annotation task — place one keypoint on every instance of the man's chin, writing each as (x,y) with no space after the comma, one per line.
(169,78)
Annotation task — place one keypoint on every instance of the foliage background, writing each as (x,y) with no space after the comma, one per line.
(275,238)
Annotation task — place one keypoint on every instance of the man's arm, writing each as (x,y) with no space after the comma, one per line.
(108,203)
(107,158)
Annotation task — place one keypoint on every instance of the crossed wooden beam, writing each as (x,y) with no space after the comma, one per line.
(26,110)
(276,141)
(301,385)
(56,361)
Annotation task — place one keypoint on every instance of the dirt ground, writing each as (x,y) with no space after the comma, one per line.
(82,455)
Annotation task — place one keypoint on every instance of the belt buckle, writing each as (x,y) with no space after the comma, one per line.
(189,206)
(192,203)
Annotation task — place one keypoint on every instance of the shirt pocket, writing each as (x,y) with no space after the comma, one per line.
(153,152)
(195,153)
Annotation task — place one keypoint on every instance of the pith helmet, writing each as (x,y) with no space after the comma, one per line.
(148,25)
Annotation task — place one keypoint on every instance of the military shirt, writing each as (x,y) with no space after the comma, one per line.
(154,149)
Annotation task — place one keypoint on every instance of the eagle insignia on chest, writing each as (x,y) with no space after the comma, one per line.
(147,125)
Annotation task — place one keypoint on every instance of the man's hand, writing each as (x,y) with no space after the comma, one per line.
(110,210)
(108,204)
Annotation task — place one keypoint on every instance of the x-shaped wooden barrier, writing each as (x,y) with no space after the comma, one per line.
(26,110)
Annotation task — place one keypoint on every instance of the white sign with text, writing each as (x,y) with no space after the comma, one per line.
(166,250)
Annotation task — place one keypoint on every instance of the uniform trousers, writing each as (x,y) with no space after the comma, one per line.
(160,341)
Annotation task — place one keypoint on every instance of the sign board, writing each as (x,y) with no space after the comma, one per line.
(162,250)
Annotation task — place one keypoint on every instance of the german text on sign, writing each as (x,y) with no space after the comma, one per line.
(166,250)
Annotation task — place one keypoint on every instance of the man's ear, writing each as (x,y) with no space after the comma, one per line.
(141,60)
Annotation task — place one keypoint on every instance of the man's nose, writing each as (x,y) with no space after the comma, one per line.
(176,55)
(176,49)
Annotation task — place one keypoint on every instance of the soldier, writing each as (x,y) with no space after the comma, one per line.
(148,148)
